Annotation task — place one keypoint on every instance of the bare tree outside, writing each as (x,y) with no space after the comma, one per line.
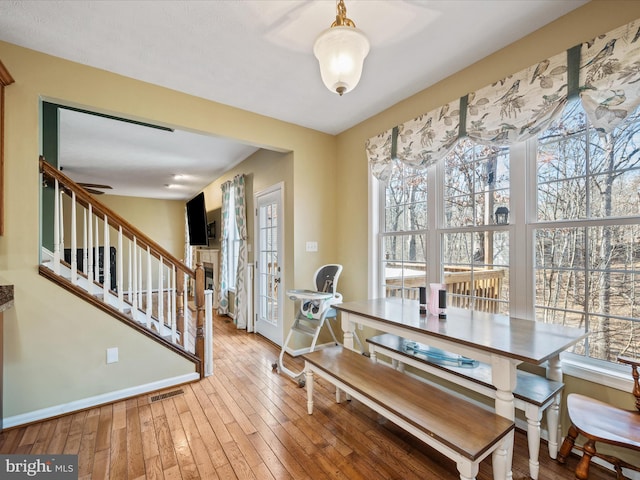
(588,251)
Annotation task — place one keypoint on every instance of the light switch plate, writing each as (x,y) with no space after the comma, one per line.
(112,355)
(312,246)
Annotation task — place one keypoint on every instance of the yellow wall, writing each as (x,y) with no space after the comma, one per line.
(52,340)
(162,220)
(596,17)
(332,209)
(262,170)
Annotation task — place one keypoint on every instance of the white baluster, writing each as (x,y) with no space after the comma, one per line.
(130,269)
(84,241)
(96,255)
(74,241)
(56,229)
(149,283)
(174,307)
(135,278)
(91,266)
(139,279)
(160,294)
(120,282)
(106,264)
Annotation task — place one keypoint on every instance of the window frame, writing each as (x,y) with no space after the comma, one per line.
(522,225)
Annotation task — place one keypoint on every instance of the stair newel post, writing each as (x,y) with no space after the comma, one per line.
(180,305)
(160,294)
(74,241)
(199,298)
(56,228)
(120,280)
(149,284)
(106,260)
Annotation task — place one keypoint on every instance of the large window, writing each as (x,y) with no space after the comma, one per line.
(548,229)
(474,238)
(403,238)
(587,235)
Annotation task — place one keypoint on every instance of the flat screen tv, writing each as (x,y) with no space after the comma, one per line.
(197,221)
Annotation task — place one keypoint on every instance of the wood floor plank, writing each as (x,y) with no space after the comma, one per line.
(103,435)
(135,451)
(247,422)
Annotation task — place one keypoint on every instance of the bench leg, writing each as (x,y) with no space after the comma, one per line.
(338,395)
(499,458)
(533,415)
(467,470)
(553,424)
(309,375)
(372,353)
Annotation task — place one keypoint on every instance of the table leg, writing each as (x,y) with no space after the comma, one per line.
(348,328)
(533,414)
(309,383)
(554,372)
(503,377)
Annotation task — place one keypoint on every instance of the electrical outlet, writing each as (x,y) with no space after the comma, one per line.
(112,355)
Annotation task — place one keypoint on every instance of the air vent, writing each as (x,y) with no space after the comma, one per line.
(164,396)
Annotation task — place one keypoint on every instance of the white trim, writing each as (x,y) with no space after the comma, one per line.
(611,377)
(110,397)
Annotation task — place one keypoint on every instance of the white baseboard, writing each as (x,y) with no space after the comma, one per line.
(76,405)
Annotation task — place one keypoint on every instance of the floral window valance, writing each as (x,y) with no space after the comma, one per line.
(605,72)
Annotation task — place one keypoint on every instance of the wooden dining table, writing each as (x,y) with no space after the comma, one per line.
(499,340)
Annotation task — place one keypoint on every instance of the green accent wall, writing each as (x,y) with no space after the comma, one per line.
(50,152)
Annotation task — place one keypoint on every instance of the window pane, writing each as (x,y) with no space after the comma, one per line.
(476,270)
(476,182)
(587,275)
(406,200)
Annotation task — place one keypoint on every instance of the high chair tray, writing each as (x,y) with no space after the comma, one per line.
(308,295)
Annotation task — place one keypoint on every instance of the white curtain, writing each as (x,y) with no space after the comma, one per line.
(223,294)
(241,223)
(604,72)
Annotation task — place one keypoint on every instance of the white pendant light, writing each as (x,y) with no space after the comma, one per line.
(341,50)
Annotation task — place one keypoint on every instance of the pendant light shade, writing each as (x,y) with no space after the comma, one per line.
(341,50)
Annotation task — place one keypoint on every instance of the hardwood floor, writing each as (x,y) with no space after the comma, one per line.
(246,422)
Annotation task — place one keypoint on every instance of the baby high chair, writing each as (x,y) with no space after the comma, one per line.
(315,307)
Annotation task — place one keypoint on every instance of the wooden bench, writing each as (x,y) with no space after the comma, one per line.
(533,393)
(460,430)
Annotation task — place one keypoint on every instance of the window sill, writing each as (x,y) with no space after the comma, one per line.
(614,377)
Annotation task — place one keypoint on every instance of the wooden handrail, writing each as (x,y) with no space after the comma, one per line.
(80,196)
(115,220)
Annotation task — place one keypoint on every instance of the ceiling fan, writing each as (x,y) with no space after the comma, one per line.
(95,188)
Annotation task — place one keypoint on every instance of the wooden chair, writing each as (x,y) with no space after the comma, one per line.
(604,423)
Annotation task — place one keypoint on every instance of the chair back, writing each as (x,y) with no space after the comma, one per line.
(326,278)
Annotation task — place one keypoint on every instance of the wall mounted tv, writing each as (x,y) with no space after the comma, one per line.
(197,221)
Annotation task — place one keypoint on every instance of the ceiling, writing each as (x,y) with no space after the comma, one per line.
(255,55)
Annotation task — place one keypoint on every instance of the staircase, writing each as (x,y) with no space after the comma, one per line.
(97,255)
